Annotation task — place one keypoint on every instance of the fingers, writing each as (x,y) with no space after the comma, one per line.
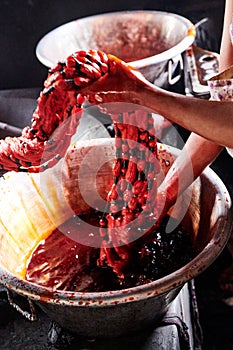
(116,84)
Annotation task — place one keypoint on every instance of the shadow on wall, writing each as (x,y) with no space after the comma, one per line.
(23,23)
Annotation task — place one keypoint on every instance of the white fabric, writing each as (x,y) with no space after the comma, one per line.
(221,86)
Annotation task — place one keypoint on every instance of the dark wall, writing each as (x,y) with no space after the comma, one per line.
(24,22)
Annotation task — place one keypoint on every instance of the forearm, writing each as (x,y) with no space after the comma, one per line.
(196,155)
(212,120)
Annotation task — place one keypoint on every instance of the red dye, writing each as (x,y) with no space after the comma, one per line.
(62,263)
(132,201)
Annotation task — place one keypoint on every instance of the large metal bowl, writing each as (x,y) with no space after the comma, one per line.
(151,41)
(114,313)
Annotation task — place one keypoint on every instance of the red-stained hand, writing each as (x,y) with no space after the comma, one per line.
(122,83)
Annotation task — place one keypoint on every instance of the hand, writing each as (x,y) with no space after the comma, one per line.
(122,83)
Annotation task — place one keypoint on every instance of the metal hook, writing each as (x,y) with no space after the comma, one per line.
(177,62)
(31,316)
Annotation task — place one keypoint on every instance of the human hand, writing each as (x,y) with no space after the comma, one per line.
(121,83)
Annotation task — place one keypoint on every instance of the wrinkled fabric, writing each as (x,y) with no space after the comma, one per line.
(221,85)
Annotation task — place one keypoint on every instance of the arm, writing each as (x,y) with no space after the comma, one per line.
(211,122)
(202,152)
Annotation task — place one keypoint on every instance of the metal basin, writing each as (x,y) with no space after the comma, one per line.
(114,313)
(151,41)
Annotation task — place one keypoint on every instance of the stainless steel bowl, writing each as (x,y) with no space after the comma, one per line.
(114,313)
(152,41)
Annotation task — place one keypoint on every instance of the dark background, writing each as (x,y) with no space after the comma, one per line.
(24,22)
